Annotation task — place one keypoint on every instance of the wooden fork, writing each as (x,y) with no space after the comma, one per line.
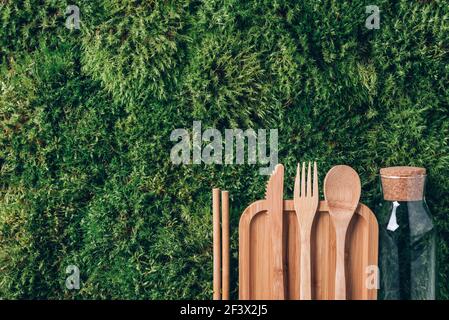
(306,204)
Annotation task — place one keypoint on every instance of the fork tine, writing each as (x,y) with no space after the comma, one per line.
(309,180)
(303,180)
(315,180)
(296,187)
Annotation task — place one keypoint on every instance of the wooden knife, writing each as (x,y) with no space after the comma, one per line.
(274,203)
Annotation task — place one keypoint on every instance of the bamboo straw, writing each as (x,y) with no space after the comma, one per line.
(216,241)
(225,243)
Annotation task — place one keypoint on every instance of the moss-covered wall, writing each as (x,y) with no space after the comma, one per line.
(86,116)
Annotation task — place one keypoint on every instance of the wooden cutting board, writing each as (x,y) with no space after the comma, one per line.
(255,274)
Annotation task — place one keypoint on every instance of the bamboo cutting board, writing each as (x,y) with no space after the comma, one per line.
(256,274)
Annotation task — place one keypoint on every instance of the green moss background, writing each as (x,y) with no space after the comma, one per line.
(86,116)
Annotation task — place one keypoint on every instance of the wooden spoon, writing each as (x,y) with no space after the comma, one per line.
(342,192)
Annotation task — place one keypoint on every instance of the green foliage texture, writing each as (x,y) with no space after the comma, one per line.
(86,116)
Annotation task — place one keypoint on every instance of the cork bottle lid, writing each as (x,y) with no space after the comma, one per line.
(403,183)
(402,171)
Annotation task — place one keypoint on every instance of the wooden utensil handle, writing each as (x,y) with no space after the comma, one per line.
(305,286)
(278,284)
(340,275)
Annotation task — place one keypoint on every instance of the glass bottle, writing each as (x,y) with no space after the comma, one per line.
(407,236)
